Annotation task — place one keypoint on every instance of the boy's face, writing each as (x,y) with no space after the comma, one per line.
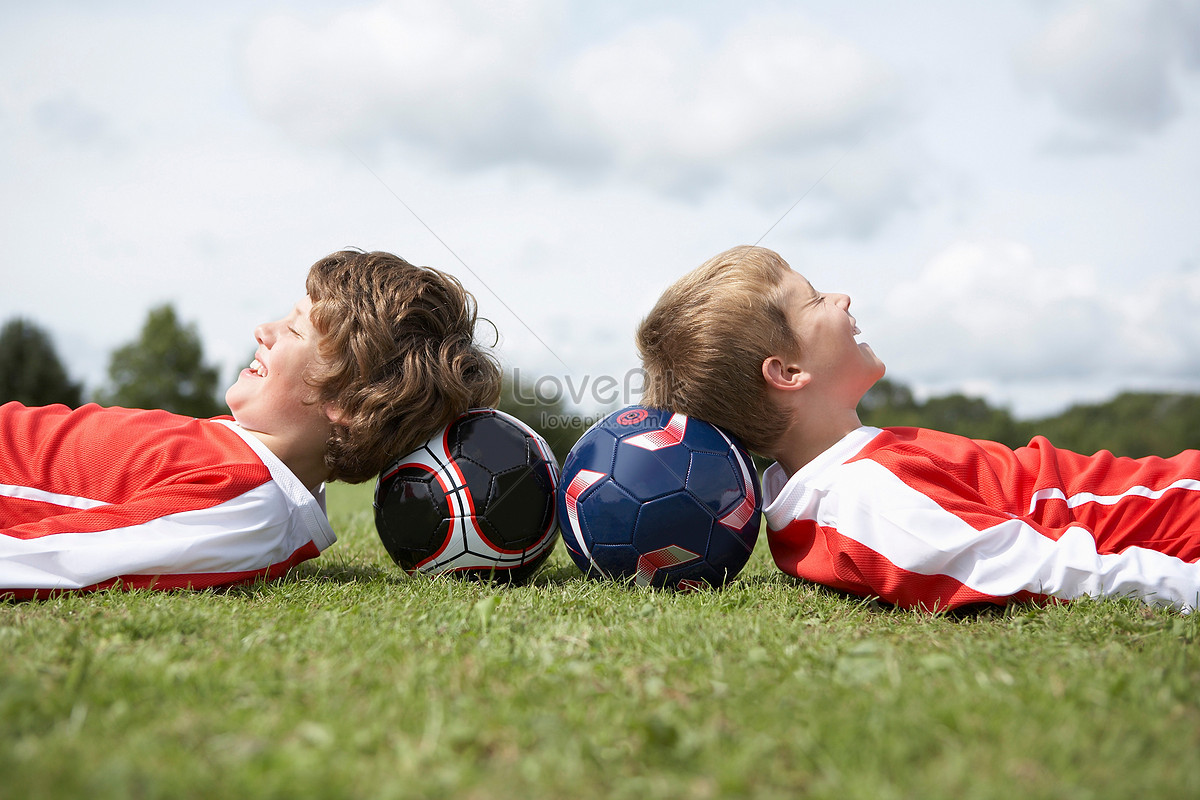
(828,350)
(272,395)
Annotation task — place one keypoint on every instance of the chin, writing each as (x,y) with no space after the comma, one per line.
(231,402)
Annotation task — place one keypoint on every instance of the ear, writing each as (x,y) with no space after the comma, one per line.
(784,376)
(334,413)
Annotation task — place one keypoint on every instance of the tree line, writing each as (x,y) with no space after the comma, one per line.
(164,367)
(1131,424)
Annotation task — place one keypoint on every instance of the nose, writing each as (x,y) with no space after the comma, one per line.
(264,333)
(842,301)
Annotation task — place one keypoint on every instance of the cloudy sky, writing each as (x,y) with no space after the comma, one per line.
(1009,193)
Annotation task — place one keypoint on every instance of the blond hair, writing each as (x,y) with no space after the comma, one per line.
(705,340)
(399,355)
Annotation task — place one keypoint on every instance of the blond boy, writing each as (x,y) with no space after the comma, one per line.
(912,516)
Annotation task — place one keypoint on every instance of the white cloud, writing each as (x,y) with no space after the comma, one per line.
(773,84)
(865,189)
(991,315)
(657,103)
(462,79)
(1115,66)
(65,119)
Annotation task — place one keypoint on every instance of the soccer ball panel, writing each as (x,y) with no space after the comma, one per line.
(415,508)
(678,520)
(727,545)
(713,481)
(596,448)
(492,442)
(419,553)
(701,437)
(521,505)
(618,561)
(647,474)
(475,486)
(605,514)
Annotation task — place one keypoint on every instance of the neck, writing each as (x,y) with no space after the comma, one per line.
(812,432)
(300,456)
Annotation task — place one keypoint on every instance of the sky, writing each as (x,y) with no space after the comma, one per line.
(1009,192)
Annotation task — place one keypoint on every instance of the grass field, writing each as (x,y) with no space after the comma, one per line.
(348,679)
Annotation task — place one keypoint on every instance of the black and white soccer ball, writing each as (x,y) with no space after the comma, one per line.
(659,499)
(476,500)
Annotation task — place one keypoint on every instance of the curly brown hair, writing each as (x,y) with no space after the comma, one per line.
(704,342)
(399,355)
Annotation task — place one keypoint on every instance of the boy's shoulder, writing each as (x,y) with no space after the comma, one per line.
(148,441)
(927,444)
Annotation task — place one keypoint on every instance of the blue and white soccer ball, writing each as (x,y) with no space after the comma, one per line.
(659,499)
(477,500)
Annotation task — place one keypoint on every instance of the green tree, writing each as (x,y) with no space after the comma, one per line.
(892,404)
(1131,424)
(888,403)
(164,368)
(30,370)
(973,417)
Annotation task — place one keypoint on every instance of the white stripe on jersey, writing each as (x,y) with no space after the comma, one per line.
(39,496)
(1083,498)
(865,502)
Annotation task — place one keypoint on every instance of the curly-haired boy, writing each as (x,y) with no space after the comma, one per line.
(376,357)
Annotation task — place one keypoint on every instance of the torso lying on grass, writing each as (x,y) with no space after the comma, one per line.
(97,497)
(926,519)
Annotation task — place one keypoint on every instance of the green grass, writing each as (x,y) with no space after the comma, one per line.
(348,679)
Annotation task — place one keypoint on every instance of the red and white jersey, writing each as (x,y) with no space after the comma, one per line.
(97,497)
(926,519)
